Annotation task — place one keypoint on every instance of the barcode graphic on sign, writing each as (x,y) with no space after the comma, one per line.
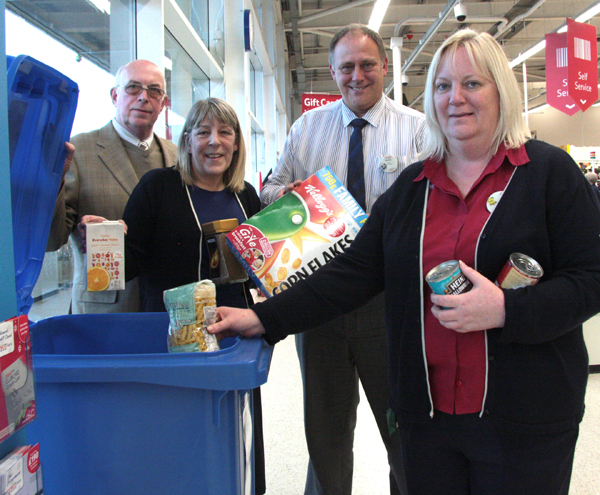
(561,57)
(583,49)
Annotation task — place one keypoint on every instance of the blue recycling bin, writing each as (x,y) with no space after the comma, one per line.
(119,415)
(116,413)
(41,108)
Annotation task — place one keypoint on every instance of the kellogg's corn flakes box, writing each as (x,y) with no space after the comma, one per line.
(298,233)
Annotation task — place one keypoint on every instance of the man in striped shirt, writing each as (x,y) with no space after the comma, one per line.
(335,356)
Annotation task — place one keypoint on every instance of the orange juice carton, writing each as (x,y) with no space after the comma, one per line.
(105,245)
(17,397)
(298,233)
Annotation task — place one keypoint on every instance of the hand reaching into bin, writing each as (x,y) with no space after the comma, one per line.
(234,321)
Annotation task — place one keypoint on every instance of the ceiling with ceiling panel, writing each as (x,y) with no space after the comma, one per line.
(422,25)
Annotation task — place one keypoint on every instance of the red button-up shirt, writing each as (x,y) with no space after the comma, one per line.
(457,362)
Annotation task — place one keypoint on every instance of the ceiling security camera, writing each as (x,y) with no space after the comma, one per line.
(404,80)
(460,12)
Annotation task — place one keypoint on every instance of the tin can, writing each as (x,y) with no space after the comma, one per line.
(223,267)
(519,271)
(448,278)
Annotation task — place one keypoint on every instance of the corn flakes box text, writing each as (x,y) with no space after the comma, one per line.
(298,233)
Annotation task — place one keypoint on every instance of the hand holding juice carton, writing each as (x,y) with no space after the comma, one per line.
(105,247)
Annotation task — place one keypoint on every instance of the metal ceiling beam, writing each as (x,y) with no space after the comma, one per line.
(433,29)
(333,10)
(297,50)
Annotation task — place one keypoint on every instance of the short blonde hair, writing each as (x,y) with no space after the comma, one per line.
(487,55)
(214,110)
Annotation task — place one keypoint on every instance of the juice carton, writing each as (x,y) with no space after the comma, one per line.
(17,396)
(298,233)
(105,244)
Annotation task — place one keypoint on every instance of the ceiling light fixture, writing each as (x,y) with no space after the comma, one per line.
(101,5)
(379,10)
(539,108)
(538,47)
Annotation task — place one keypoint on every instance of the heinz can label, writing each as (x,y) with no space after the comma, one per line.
(448,278)
(519,271)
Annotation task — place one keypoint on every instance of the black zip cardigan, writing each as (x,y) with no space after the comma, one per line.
(163,237)
(537,364)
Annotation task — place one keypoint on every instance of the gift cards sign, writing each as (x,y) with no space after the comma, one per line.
(572,68)
(314,100)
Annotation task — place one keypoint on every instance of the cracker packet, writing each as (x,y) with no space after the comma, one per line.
(191,309)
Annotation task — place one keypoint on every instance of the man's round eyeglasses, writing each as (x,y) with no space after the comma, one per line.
(135,89)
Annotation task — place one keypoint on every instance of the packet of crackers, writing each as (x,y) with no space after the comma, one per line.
(297,234)
(191,309)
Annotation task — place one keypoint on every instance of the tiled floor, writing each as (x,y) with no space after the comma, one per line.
(286,455)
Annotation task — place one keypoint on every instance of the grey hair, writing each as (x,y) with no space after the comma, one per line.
(216,111)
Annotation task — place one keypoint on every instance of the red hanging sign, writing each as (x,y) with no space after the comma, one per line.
(557,74)
(583,63)
(314,100)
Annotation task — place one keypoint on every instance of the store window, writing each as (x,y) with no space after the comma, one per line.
(186,84)
(256,100)
(196,11)
(101,31)
(87,42)
(94,107)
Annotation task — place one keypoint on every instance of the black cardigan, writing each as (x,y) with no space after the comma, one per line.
(538,363)
(163,237)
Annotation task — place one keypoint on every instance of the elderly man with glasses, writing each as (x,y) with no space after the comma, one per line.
(106,167)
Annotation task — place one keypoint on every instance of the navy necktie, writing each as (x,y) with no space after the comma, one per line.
(356,168)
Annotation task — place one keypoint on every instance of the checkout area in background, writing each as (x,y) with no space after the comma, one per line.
(588,158)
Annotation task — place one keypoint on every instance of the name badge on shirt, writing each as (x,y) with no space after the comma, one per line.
(388,163)
(493,200)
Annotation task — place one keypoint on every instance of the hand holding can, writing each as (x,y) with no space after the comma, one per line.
(519,271)
(448,278)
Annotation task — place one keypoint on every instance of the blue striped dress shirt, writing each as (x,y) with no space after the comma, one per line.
(320,137)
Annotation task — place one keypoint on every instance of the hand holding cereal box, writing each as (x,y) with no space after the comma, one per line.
(298,233)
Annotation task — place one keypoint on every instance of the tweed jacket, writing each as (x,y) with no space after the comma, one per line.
(99,182)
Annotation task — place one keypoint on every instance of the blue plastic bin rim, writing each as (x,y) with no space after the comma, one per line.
(242,365)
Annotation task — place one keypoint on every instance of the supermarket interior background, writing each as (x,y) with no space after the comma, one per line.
(203,50)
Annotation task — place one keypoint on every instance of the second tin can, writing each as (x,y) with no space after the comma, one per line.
(519,271)
(448,278)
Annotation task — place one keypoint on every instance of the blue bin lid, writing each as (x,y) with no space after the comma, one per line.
(132,347)
(41,109)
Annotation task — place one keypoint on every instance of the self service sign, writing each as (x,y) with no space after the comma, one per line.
(572,68)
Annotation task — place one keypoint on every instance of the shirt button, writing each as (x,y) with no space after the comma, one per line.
(459,383)
(491,358)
